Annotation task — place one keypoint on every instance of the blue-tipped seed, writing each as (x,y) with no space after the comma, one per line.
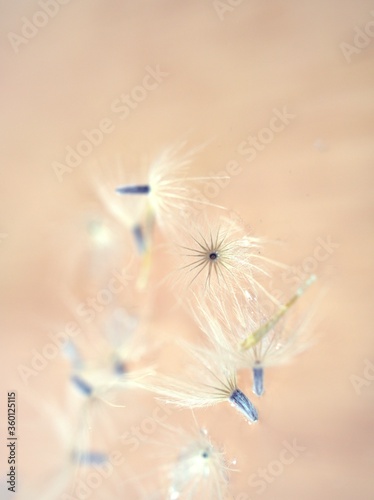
(242,404)
(119,367)
(258,380)
(90,458)
(82,385)
(139,238)
(141,189)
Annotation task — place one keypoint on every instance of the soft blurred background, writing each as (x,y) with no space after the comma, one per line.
(223,70)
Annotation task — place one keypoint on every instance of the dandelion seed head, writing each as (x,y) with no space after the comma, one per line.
(197,468)
(219,256)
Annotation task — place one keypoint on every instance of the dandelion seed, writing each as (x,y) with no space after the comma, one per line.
(169,190)
(257,335)
(192,465)
(73,452)
(212,380)
(138,218)
(226,323)
(104,375)
(277,347)
(220,256)
(200,470)
(129,216)
(99,385)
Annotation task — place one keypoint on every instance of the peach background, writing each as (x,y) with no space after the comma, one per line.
(314,180)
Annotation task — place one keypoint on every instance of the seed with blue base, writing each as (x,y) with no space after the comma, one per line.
(141,189)
(258,380)
(82,385)
(240,401)
(139,238)
(119,367)
(89,458)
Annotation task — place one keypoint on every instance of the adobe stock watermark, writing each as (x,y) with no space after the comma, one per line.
(255,144)
(212,188)
(50,351)
(40,359)
(248,149)
(96,304)
(362,38)
(31,26)
(121,108)
(361,382)
(141,433)
(97,474)
(223,7)
(323,251)
(295,275)
(260,480)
